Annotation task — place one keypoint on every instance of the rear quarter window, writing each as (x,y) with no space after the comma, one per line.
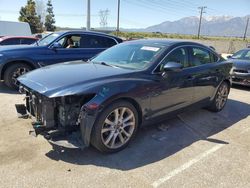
(200,56)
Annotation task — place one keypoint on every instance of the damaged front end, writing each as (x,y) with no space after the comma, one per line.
(63,121)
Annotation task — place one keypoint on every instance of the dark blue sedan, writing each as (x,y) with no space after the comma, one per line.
(54,48)
(105,101)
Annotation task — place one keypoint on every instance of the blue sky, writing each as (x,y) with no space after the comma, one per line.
(134,13)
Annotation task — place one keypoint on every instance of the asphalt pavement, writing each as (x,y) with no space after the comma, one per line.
(196,149)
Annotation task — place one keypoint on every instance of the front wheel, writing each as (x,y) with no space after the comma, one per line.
(220,98)
(115,127)
(13,72)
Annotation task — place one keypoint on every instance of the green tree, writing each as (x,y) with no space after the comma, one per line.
(50,18)
(28,14)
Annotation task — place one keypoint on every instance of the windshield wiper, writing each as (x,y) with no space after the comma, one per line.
(103,63)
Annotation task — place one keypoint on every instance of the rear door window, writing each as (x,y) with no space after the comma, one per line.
(200,56)
(94,41)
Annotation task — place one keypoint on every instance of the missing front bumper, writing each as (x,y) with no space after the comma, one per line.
(63,138)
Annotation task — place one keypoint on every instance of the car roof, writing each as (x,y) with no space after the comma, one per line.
(85,32)
(13,37)
(165,42)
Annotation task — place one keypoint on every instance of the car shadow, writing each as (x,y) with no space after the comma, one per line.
(154,143)
(5,89)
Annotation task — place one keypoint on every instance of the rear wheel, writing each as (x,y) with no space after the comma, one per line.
(13,72)
(115,127)
(220,98)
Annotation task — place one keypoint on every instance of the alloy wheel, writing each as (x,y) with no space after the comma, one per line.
(222,95)
(118,127)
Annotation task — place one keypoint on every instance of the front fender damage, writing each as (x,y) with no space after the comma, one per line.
(86,126)
(73,116)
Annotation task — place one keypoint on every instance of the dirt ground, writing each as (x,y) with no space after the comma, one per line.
(197,149)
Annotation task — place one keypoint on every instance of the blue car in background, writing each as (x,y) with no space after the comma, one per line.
(55,48)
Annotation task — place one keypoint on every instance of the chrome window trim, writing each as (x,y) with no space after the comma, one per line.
(186,45)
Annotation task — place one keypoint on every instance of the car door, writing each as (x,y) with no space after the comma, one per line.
(172,90)
(92,44)
(205,72)
(70,49)
(84,47)
(59,52)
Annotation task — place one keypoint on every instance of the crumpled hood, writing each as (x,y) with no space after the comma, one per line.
(69,78)
(240,63)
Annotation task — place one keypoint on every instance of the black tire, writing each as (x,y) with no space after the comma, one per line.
(97,137)
(222,90)
(11,74)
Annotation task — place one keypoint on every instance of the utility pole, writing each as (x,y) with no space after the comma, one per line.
(118,18)
(201,13)
(88,15)
(245,34)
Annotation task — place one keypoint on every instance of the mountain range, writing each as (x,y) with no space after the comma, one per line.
(211,26)
(227,26)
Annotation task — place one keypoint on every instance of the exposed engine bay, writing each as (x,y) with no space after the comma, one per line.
(57,119)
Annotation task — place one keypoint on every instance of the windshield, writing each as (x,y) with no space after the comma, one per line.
(242,54)
(131,56)
(48,39)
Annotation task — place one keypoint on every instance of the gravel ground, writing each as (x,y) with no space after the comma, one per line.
(197,149)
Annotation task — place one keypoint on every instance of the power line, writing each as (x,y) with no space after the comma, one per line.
(201,13)
(169,6)
(155,8)
(174,4)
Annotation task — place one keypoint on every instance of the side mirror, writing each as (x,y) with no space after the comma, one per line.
(55,46)
(229,57)
(172,67)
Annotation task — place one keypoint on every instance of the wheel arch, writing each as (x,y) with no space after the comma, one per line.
(87,123)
